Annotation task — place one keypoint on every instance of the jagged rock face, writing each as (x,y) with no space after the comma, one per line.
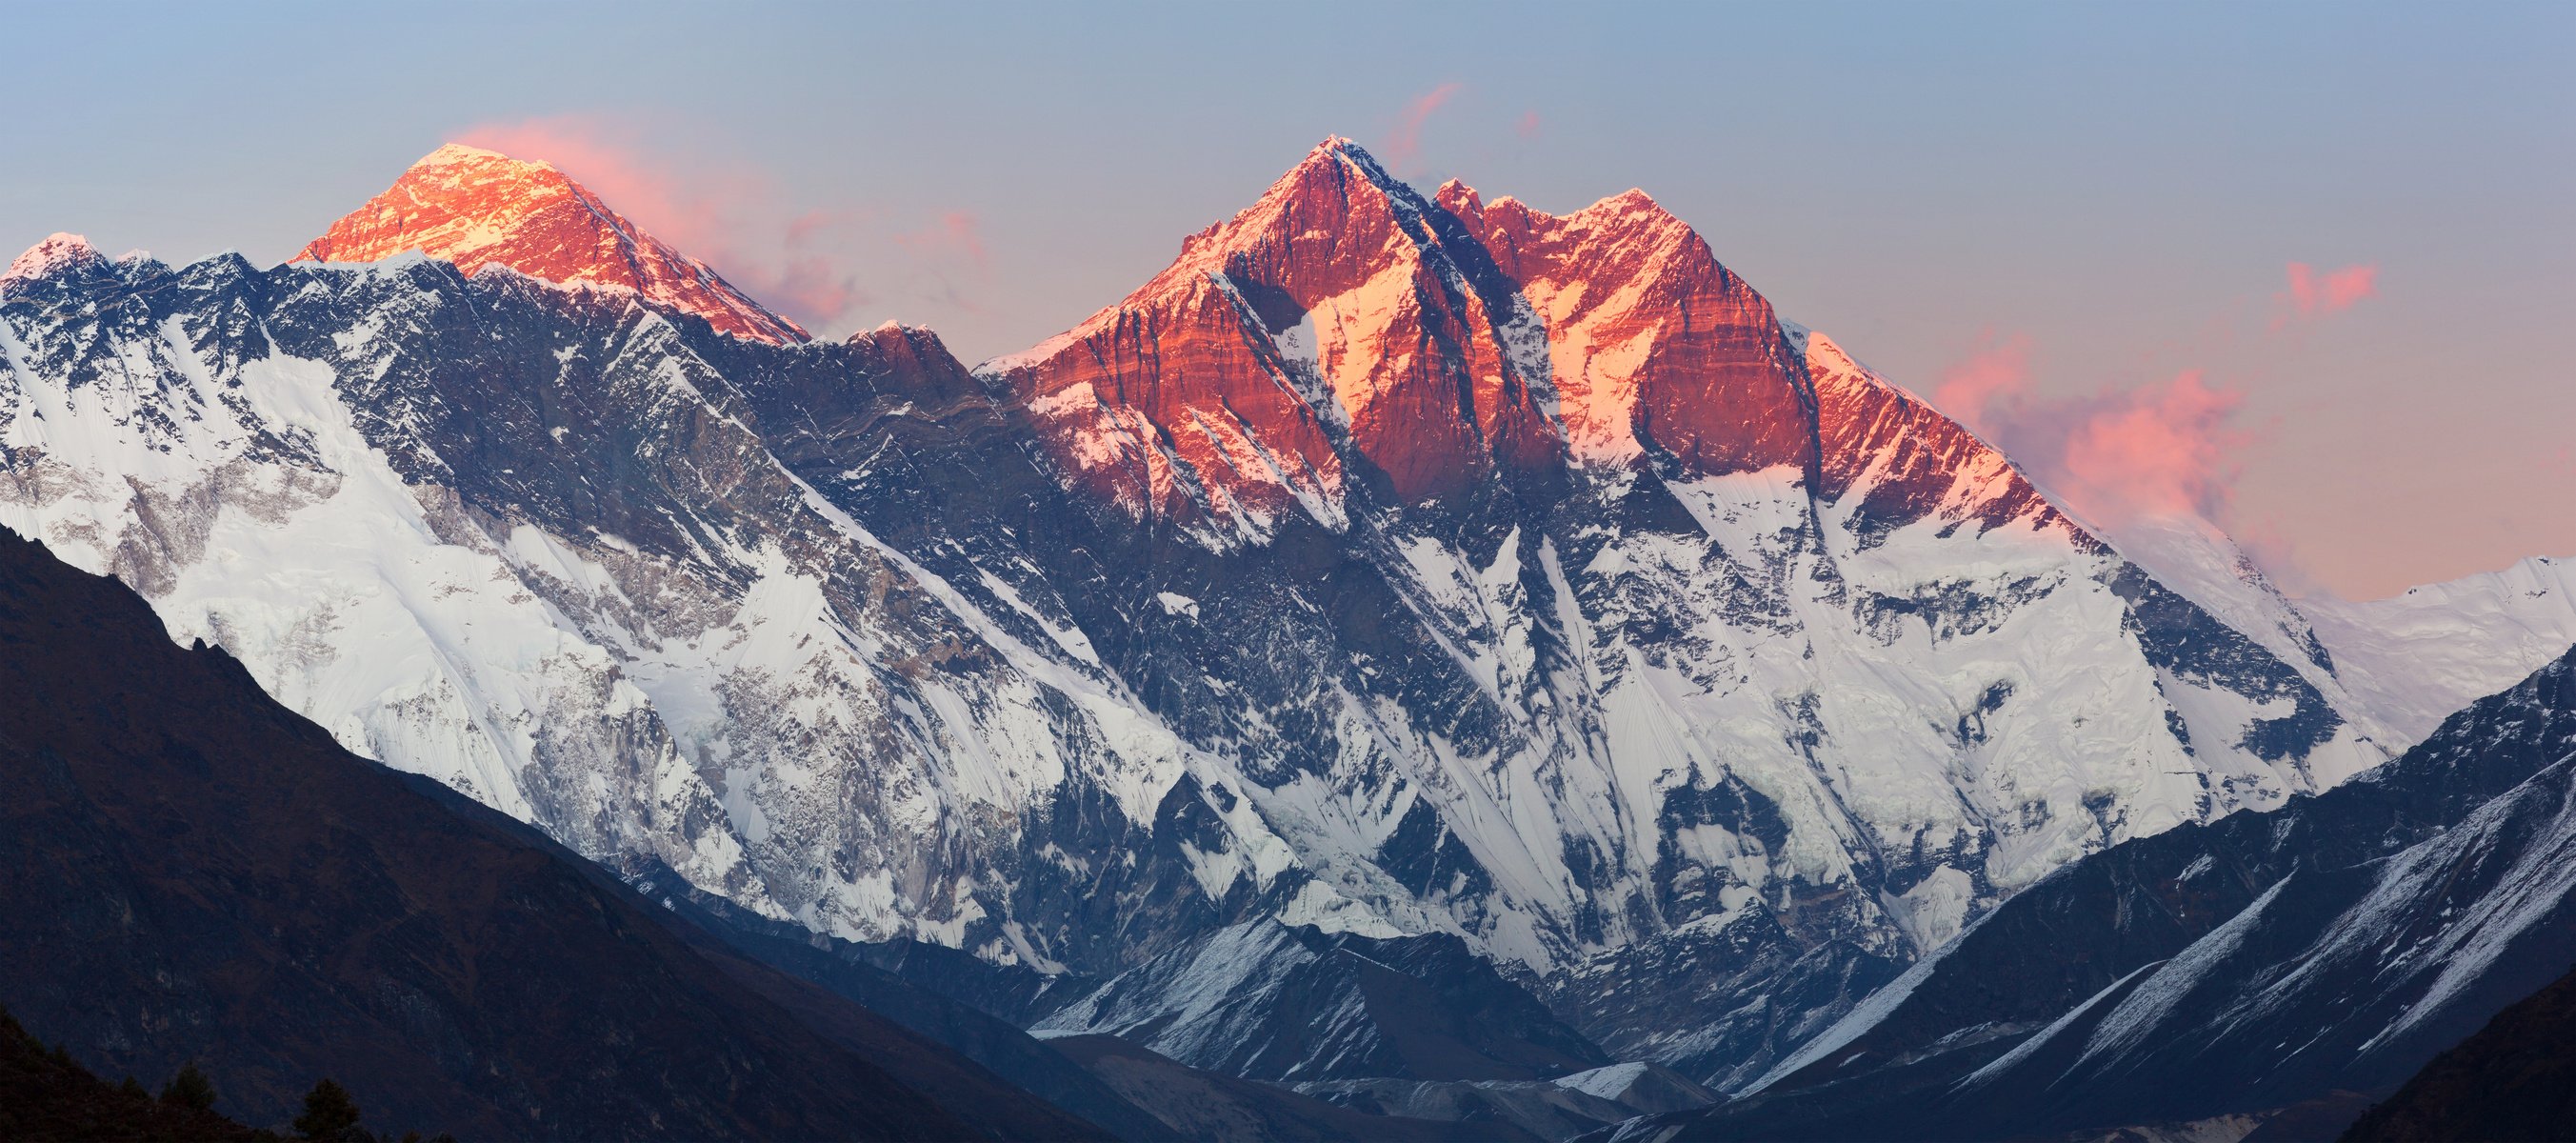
(1449,339)
(1723,1000)
(1648,339)
(1157,629)
(1895,460)
(1332,308)
(476,208)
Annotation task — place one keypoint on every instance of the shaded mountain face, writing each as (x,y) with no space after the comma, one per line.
(476,208)
(1390,565)
(195,873)
(1557,1109)
(1204,1105)
(1265,1001)
(852,972)
(2515,1079)
(2237,968)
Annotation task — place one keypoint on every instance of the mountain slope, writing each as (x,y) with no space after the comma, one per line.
(475,208)
(1264,1001)
(2515,1079)
(1562,1108)
(849,972)
(2417,656)
(197,874)
(1212,1106)
(2254,963)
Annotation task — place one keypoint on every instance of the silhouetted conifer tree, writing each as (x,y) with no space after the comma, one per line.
(329,1113)
(190,1088)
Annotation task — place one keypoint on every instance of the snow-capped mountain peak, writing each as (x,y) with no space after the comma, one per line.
(57,252)
(1649,340)
(1331,314)
(475,207)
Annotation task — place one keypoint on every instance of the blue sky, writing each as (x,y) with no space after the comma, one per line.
(2110,196)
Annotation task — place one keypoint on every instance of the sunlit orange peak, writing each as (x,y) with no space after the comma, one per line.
(479,208)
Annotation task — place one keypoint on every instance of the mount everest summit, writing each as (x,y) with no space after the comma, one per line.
(1388,566)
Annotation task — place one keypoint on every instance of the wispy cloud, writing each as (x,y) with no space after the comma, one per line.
(1404,143)
(948,247)
(2161,449)
(2165,448)
(1994,369)
(955,233)
(1528,127)
(2313,294)
(724,213)
(602,155)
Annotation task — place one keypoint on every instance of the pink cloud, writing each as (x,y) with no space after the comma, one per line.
(1527,128)
(2158,450)
(2165,448)
(948,295)
(1992,370)
(953,231)
(804,229)
(602,155)
(948,246)
(723,214)
(817,286)
(2312,294)
(2281,559)
(1404,144)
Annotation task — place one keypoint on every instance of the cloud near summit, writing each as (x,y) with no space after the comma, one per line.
(1404,143)
(724,213)
(2164,448)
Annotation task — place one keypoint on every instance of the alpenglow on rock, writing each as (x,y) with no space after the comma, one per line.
(1389,564)
(476,208)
